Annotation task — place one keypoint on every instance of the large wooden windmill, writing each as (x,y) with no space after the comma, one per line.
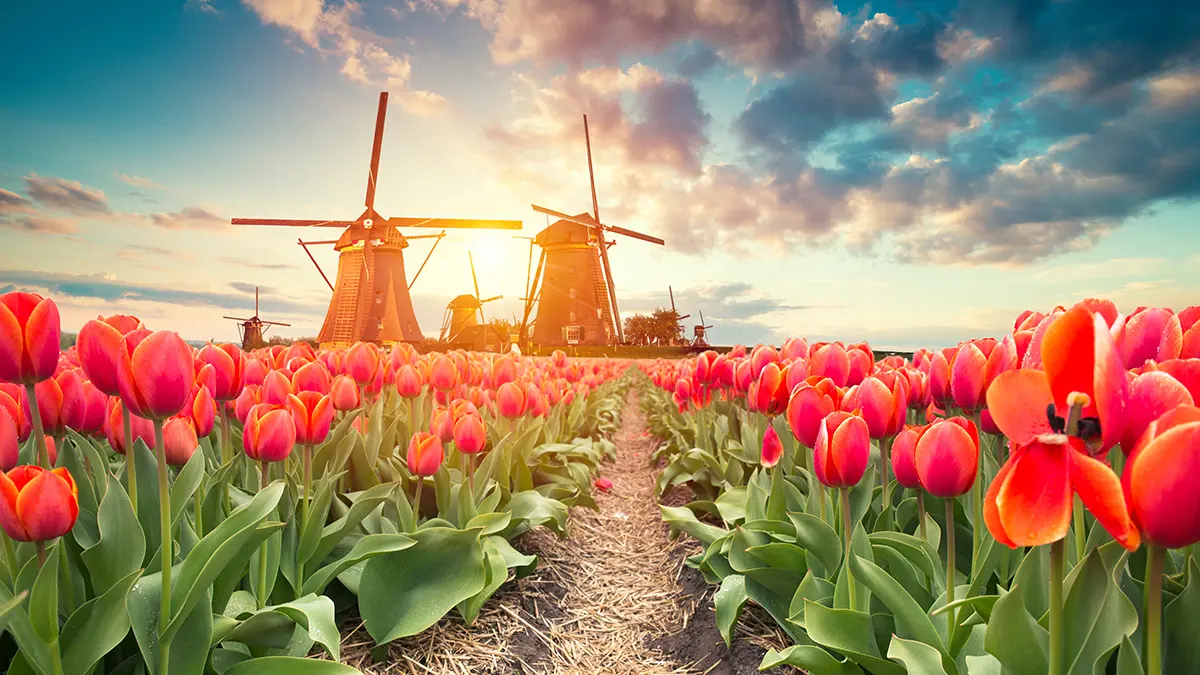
(371,301)
(573,286)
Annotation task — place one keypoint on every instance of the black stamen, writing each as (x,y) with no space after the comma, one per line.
(1088,428)
(1057,424)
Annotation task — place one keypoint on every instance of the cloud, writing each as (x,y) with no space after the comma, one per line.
(256,264)
(251,289)
(202,6)
(138,181)
(188,218)
(138,252)
(110,289)
(331,29)
(11,202)
(66,195)
(38,223)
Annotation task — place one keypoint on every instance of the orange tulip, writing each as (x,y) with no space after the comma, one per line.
(203,411)
(36,504)
(772,447)
(179,440)
(229,363)
(98,345)
(968,374)
(947,457)
(510,400)
(842,450)
(114,428)
(270,433)
(442,424)
(442,374)
(772,393)
(9,445)
(810,402)
(424,454)
(312,413)
(251,396)
(408,382)
(276,388)
(312,376)
(154,373)
(29,338)
(469,434)
(49,396)
(344,394)
(254,372)
(830,360)
(362,362)
(883,408)
(904,457)
(1160,480)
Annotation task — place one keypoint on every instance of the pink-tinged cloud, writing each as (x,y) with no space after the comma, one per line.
(66,195)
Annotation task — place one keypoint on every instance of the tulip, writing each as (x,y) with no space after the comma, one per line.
(12,401)
(861,360)
(1152,334)
(603,484)
(830,360)
(254,372)
(772,392)
(229,364)
(442,424)
(343,394)
(312,416)
(29,338)
(760,357)
(154,373)
(939,378)
(9,445)
(408,382)
(203,412)
(251,396)
(98,344)
(772,447)
(947,456)
(904,466)
(269,436)
(179,436)
(362,362)
(114,429)
(1151,395)
(840,460)
(95,410)
(37,505)
(1187,371)
(808,405)
(424,455)
(276,388)
(49,397)
(312,376)
(968,375)
(510,400)
(442,374)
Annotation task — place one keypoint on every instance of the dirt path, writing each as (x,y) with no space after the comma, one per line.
(615,598)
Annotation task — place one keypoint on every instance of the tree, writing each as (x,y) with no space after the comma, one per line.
(660,328)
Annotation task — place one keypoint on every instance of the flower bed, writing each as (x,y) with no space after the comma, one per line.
(1022,505)
(290,484)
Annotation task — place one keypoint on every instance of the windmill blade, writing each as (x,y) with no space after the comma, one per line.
(290,222)
(456,223)
(634,234)
(474,280)
(685,316)
(429,255)
(274,323)
(701,317)
(587,138)
(494,297)
(234,318)
(588,223)
(563,216)
(376,148)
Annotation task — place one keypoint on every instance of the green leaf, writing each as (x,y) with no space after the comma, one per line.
(272,549)
(185,485)
(43,598)
(911,620)
(521,564)
(530,509)
(917,551)
(189,653)
(729,600)
(17,623)
(917,658)
(812,659)
(496,573)
(818,538)
(121,547)
(313,613)
(364,504)
(850,632)
(365,548)
(490,523)
(100,624)
(318,513)
(1128,662)
(1180,646)
(732,505)
(289,665)
(1015,638)
(1096,617)
(1033,576)
(404,592)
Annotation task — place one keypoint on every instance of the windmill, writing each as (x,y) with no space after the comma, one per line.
(678,317)
(573,286)
(700,333)
(252,330)
(371,300)
(464,323)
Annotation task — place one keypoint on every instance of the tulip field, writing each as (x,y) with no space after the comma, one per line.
(1016,505)
(1025,505)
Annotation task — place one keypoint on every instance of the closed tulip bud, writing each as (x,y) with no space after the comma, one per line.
(276,388)
(1151,334)
(155,373)
(988,425)
(97,347)
(1160,479)
(1187,371)
(312,376)
(179,440)
(424,454)
(947,457)
(842,450)
(1151,395)
(504,370)
(772,393)
(229,364)
(344,394)
(603,484)
(362,362)
(114,428)
(830,360)
(793,348)
(442,424)
(29,338)
(760,357)
(251,396)
(403,354)
(270,433)
(255,372)
(13,402)
(204,411)
(312,414)
(772,447)
(939,379)
(968,377)
(50,407)
(510,400)
(877,404)
(408,381)
(539,407)
(469,434)
(442,374)
(904,457)
(810,402)
(36,504)
(861,360)
(206,375)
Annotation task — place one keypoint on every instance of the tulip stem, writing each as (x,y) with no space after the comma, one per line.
(1057,631)
(921,513)
(10,557)
(39,435)
(417,501)
(848,528)
(167,553)
(951,570)
(1080,532)
(977,501)
(41,553)
(304,499)
(226,453)
(1152,646)
(130,458)
(885,446)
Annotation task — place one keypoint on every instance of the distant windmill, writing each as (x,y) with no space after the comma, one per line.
(464,323)
(700,332)
(252,330)
(678,317)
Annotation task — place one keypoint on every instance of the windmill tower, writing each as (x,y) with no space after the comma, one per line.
(252,330)
(464,323)
(700,333)
(678,317)
(573,286)
(371,300)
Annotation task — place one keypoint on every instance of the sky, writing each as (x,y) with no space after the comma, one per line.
(907,173)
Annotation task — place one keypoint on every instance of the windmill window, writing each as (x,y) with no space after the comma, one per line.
(378,298)
(572,293)
(573,315)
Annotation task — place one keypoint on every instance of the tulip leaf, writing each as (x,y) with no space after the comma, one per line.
(531,509)
(810,658)
(365,502)
(369,546)
(911,619)
(43,598)
(289,665)
(186,483)
(1033,576)
(1096,617)
(121,547)
(728,601)
(273,625)
(818,538)
(1128,662)
(189,652)
(496,573)
(272,549)
(850,632)
(404,592)
(732,505)
(492,523)
(19,624)
(147,499)
(917,658)
(917,551)
(1015,638)
(99,625)
(682,519)
(522,565)
(1181,649)
(70,455)
(318,514)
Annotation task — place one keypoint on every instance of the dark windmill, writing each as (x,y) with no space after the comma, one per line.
(252,330)
(371,300)
(700,333)
(573,286)
(678,317)
(464,325)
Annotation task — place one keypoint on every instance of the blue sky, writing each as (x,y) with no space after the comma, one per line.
(833,170)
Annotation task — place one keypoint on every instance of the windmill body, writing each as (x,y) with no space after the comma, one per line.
(253,329)
(371,300)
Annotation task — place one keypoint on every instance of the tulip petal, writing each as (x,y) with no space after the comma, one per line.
(1068,355)
(163,370)
(1017,401)
(47,506)
(11,343)
(1100,490)
(9,519)
(991,513)
(1110,388)
(1035,500)
(1159,482)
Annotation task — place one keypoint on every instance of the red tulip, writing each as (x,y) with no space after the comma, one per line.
(793,348)
(830,360)
(229,364)
(842,450)
(254,372)
(98,345)
(362,362)
(904,457)
(179,440)
(988,425)
(1151,395)
(95,403)
(760,357)
(772,447)
(469,434)
(312,376)
(9,445)
(344,394)
(424,454)
(1159,483)
(204,411)
(251,396)
(882,408)
(947,457)
(114,428)
(810,402)
(14,404)
(50,406)
(861,361)
(772,393)
(270,433)
(29,338)
(276,388)
(442,374)
(154,373)
(37,504)
(510,400)
(1152,334)
(968,376)
(312,413)
(442,424)
(1187,371)
(603,484)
